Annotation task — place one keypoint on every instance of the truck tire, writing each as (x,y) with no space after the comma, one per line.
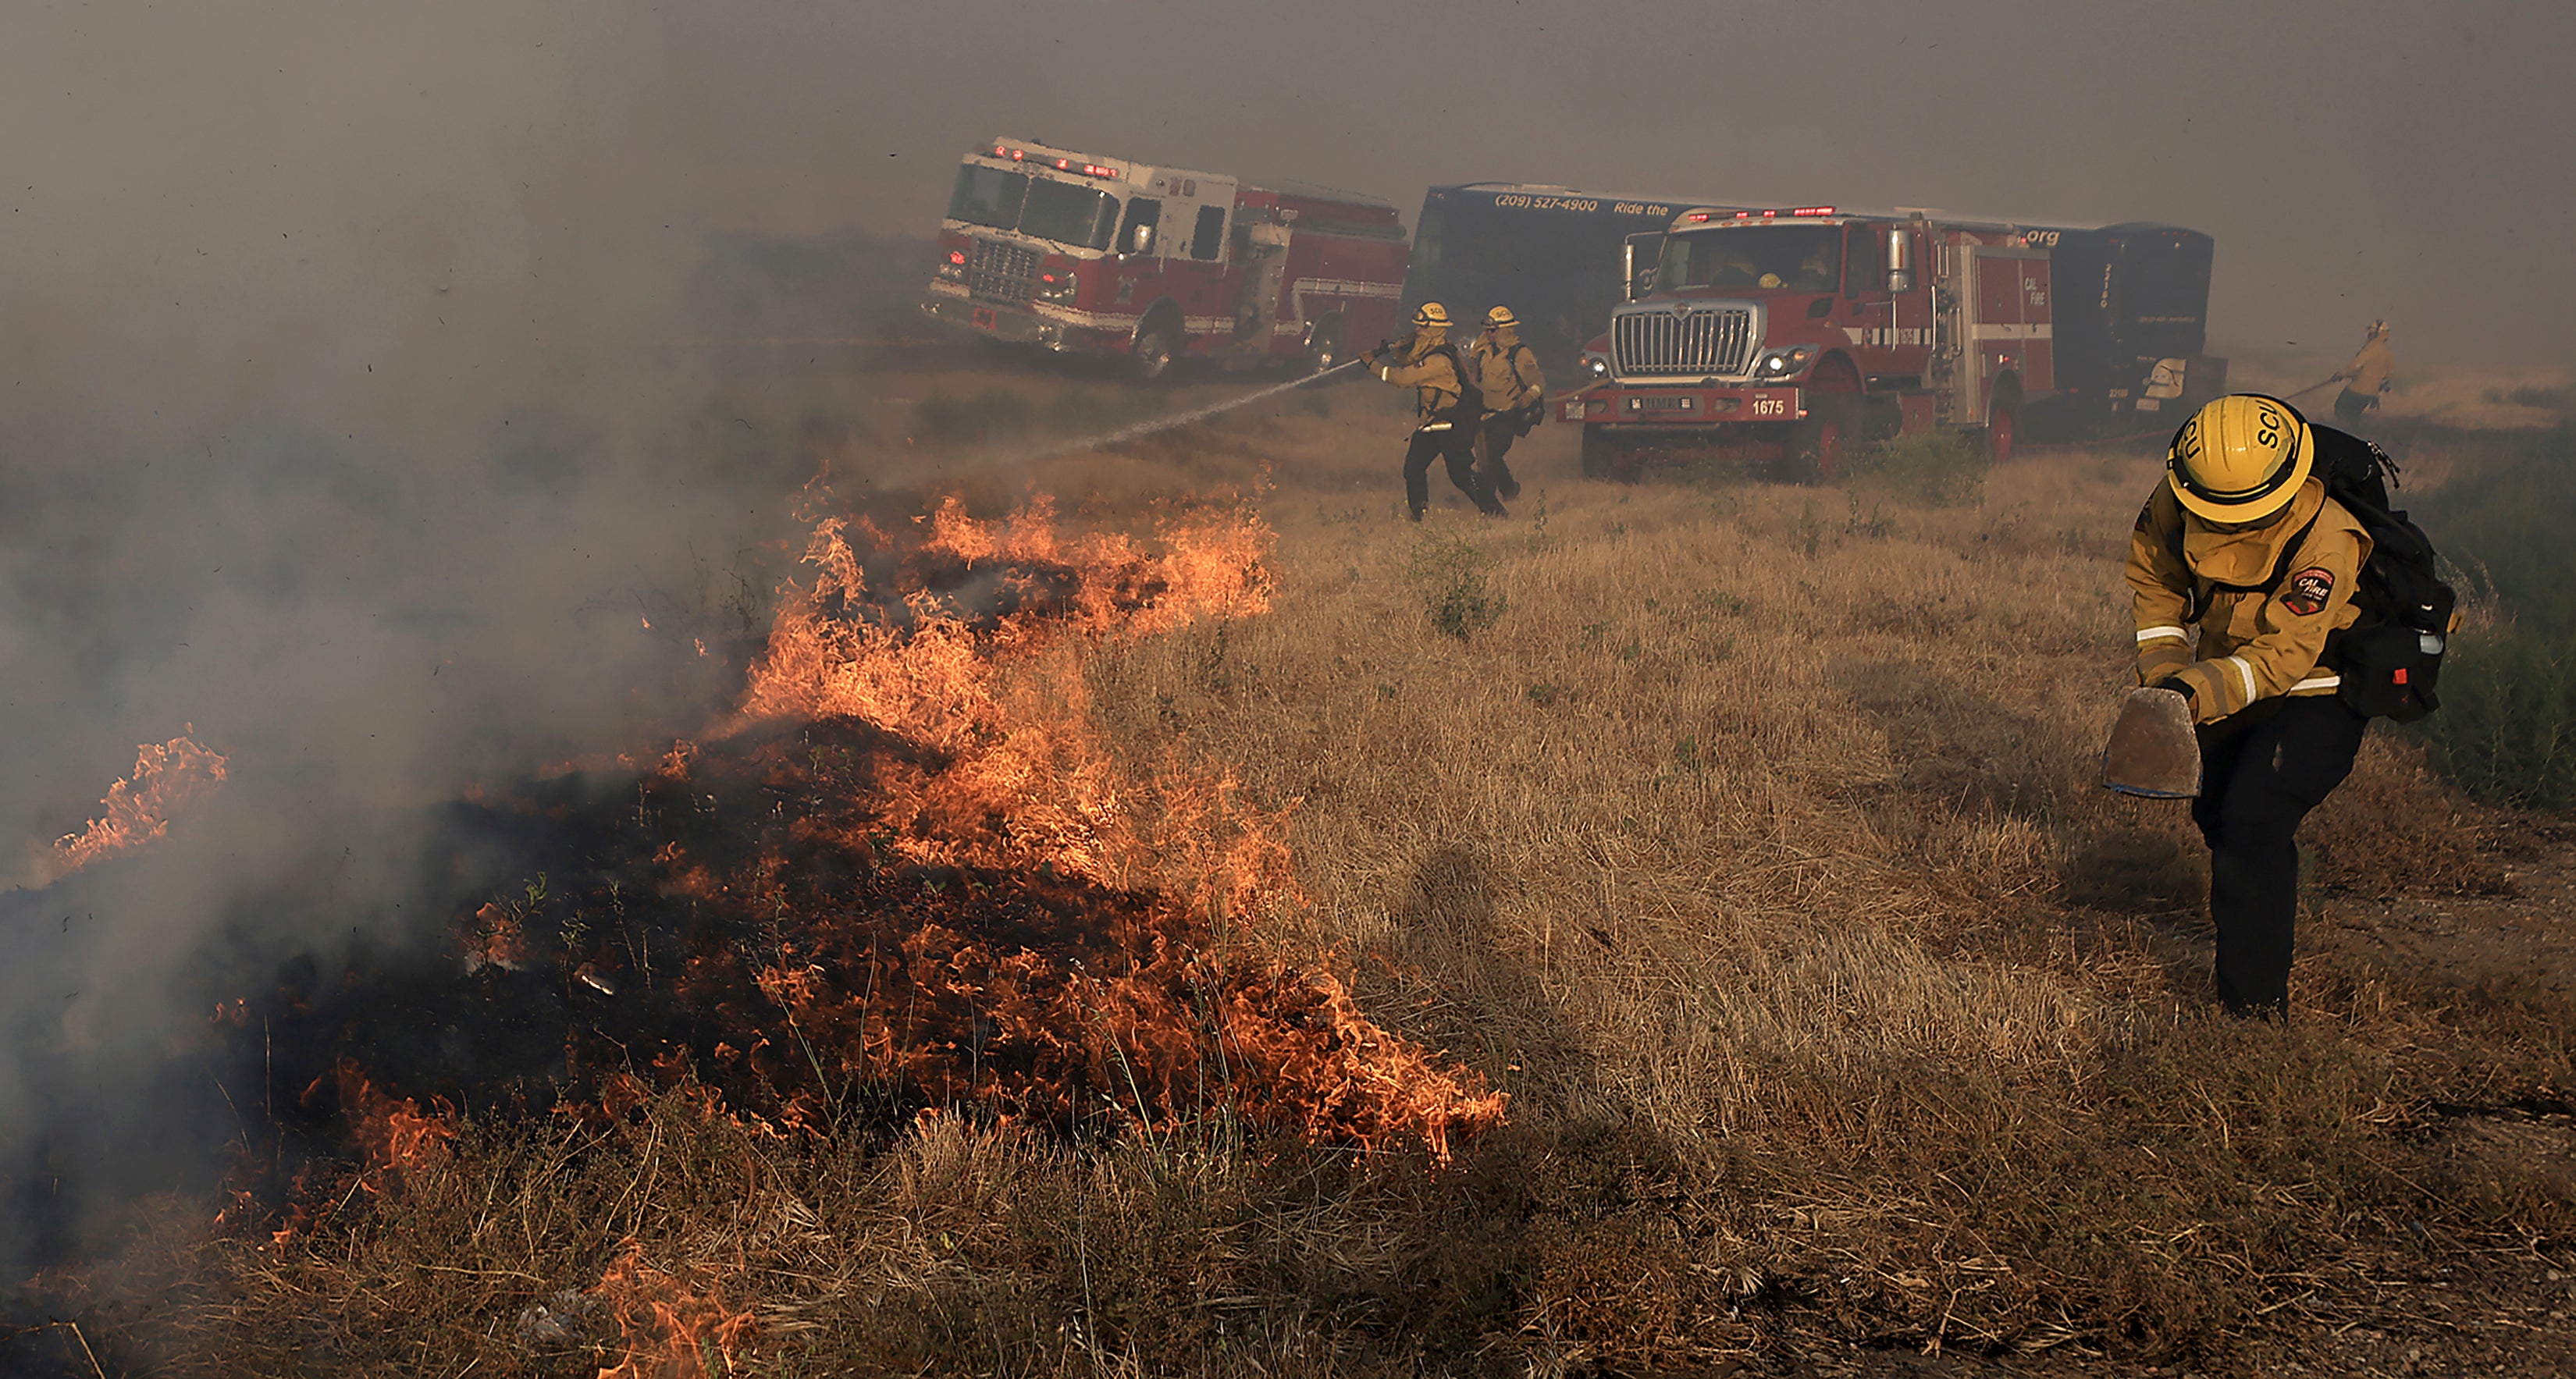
(1158,344)
(1606,456)
(2003,426)
(1821,447)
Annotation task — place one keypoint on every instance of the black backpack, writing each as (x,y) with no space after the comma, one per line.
(2391,657)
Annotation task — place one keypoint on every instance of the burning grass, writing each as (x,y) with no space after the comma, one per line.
(906,875)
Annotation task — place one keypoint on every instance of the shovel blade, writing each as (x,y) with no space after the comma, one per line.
(2153,750)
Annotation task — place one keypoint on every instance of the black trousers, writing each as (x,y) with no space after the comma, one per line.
(2258,779)
(2351,407)
(1456,445)
(1500,432)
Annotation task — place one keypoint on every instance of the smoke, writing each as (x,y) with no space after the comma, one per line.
(339,418)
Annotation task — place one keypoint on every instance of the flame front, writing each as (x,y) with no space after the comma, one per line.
(139,808)
(1074,967)
(908,872)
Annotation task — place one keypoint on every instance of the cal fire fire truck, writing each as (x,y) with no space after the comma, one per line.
(1794,333)
(1084,254)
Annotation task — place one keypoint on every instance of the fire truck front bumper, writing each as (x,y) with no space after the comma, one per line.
(1007,321)
(1679,406)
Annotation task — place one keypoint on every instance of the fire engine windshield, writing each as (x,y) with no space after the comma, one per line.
(1068,213)
(988,196)
(1793,258)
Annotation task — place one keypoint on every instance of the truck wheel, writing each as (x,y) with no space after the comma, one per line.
(2003,429)
(1606,456)
(1823,444)
(1156,346)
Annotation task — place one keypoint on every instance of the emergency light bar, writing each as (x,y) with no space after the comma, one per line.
(1702,217)
(1021,155)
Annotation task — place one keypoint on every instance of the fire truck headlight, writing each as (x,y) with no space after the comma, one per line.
(1057,287)
(952,266)
(1595,367)
(1784,363)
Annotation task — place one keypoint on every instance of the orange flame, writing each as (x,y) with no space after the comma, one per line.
(669,1330)
(910,871)
(1003,769)
(138,809)
(393,1131)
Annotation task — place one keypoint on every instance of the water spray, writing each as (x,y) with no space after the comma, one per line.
(1197,414)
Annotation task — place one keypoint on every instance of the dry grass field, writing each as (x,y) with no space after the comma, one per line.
(1747,836)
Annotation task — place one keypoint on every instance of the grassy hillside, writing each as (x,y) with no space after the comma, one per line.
(1748,836)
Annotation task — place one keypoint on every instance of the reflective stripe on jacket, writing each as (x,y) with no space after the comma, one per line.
(2255,642)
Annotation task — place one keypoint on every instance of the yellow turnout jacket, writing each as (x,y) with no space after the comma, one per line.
(2256,638)
(1495,361)
(2370,367)
(1433,377)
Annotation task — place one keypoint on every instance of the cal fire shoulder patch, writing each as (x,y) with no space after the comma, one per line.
(2308,590)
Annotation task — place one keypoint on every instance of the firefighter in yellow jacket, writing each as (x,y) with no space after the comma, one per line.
(1426,362)
(2365,379)
(1507,373)
(2242,545)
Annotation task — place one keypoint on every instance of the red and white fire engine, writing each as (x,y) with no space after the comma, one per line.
(1084,254)
(1796,333)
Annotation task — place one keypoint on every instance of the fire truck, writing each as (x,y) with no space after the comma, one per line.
(1797,333)
(1084,254)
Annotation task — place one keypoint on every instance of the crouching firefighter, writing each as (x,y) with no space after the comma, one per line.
(1507,373)
(1447,410)
(2262,537)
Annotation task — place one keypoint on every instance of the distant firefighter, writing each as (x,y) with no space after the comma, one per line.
(1445,421)
(1507,373)
(2366,377)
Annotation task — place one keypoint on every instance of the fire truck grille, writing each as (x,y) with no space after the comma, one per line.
(1698,345)
(1001,272)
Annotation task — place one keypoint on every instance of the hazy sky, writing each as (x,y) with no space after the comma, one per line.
(2409,159)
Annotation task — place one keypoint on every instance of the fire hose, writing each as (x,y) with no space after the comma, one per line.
(2303,392)
(1196,414)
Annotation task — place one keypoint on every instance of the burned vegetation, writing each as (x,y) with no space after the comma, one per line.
(904,878)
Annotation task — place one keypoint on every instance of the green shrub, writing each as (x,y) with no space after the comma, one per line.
(1450,572)
(2506,731)
(1937,468)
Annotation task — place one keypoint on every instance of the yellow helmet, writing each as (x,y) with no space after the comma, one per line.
(2240,459)
(1432,315)
(1501,318)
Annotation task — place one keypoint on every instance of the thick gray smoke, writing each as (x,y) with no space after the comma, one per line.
(339,417)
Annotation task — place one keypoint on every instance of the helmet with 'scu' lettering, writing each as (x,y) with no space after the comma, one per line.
(2240,459)
(1432,316)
